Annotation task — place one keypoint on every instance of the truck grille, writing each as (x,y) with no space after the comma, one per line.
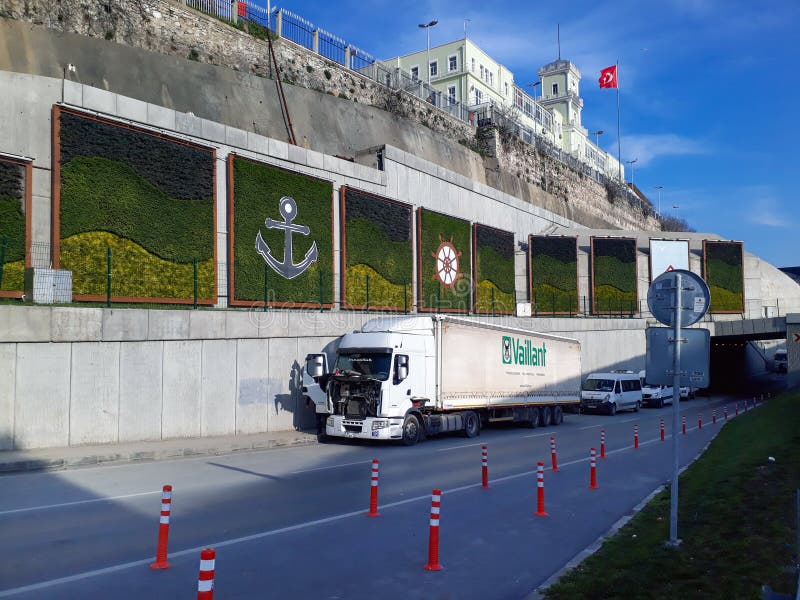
(352,426)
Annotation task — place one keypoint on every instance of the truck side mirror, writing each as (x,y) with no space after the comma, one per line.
(400,368)
(315,365)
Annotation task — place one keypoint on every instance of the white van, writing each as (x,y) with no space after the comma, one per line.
(610,392)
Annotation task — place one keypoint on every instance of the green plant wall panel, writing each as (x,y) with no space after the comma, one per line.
(148,199)
(258,195)
(614,275)
(724,274)
(554,274)
(494,270)
(445,257)
(378,251)
(12,226)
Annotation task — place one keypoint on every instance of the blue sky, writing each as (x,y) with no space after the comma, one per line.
(710,91)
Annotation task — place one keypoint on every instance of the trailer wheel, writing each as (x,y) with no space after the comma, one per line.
(472,427)
(558,415)
(532,419)
(411,430)
(545,416)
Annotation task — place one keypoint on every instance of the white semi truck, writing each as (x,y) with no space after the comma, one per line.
(402,378)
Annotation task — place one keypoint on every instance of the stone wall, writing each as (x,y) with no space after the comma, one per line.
(168,27)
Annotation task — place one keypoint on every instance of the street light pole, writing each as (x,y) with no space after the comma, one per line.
(659,188)
(631,163)
(427,29)
(597,135)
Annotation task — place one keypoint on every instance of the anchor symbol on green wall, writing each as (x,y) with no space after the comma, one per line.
(288,268)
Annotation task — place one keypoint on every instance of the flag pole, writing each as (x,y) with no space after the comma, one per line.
(619,135)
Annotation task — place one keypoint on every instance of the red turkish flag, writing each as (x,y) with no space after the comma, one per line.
(608,77)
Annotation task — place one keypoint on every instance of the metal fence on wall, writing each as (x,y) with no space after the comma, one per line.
(107,279)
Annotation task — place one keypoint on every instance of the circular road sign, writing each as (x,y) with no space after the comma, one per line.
(694,297)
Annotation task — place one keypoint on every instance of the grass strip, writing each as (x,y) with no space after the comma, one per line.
(736,519)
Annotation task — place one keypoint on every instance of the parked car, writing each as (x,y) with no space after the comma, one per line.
(687,393)
(610,392)
(656,395)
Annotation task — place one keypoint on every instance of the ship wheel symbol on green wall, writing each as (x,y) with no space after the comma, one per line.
(446,257)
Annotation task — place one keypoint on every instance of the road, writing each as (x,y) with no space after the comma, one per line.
(291,523)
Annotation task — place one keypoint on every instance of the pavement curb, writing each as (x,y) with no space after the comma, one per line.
(102,457)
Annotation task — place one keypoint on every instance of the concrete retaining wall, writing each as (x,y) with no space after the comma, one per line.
(181,373)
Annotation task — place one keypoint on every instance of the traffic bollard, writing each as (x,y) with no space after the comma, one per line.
(683,425)
(602,443)
(592,470)
(433,538)
(540,490)
(373,490)
(205,581)
(662,429)
(553,454)
(635,437)
(484,467)
(714,417)
(163,529)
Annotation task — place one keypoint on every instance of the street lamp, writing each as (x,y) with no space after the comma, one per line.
(427,29)
(597,135)
(659,188)
(675,207)
(533,87)
(631,163)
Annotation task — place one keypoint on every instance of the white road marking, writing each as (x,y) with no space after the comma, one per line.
(49,506)
(533,435)
(360,462)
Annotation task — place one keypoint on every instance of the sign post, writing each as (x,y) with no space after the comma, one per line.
(670,296)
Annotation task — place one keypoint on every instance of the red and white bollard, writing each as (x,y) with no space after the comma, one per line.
(700,421)
(662,429)
(373,490)
(553,454)
(592,471)
(433,538)
(205,581)
(714,417)
(725,412)
(484,467)
(163,529)
(635,437)
(540,490)
(683,425)
(602,443)
(737,408)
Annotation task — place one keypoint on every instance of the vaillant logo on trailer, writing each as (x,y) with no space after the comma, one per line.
(523,352)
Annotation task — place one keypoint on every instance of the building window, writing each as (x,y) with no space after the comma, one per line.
(434,66)
(491,79)
(482,75)
(555,89)
(451,94)
(415,73)
(473,65)
(452,63)
(478,96)
(506,89)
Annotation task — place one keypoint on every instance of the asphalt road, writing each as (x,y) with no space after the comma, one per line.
(291,523)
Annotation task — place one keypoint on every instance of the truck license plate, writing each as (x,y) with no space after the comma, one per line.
(349,434)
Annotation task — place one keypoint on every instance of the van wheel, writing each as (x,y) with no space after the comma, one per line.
(472,427)
(558,415)
(612,410)
(411,431)
(637,406)
(545,416)
(660,403)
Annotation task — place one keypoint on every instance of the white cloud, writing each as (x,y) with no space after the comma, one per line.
(766,210)
(647,148)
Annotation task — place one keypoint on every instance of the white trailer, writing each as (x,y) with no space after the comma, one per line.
(402,378)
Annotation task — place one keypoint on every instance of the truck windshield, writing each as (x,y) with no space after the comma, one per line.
(365,363)
(599,385)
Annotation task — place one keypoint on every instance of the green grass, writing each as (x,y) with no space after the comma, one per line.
(736,520)
(368,244)
(12,228)
(99,194)
(498,273)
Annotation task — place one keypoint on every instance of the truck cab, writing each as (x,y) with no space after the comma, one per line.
(381,374)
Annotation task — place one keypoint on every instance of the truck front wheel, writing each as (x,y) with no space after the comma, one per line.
(411,431)
(472,427)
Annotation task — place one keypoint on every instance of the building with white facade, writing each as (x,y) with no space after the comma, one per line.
(461,74)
